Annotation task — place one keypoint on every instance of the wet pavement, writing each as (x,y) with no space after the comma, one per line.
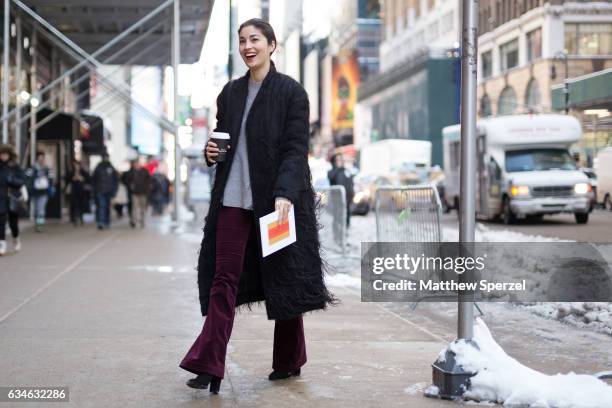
(111,313)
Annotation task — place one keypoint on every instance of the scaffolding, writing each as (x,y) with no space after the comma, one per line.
(95,34)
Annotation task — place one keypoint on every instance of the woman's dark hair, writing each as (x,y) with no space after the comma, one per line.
(263,26)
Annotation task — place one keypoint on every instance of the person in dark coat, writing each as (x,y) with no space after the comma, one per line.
(126,180)
(12,178)
(105,182)
(341,176)
(80,186)
(41,188)
(266,169)
(140,185)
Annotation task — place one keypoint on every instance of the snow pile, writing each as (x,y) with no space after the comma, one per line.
(500,378)
(593,315)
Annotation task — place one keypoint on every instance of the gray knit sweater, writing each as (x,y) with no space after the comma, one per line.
(237,191)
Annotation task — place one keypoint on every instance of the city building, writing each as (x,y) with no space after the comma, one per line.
(416,92)
(527,48)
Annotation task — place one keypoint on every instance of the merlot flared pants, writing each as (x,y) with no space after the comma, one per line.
(207,354)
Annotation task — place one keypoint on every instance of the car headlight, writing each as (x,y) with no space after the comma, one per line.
(517,191)
(582,188)
(361,196)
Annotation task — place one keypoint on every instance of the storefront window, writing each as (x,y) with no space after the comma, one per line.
(509,55)
(588,38)
(487,64)
(534,44)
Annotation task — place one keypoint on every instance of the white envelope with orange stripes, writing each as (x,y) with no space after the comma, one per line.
(275,236)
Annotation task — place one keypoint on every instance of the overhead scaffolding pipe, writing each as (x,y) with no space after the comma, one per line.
(87,57)
(104,81)
(110,94)
(112,87)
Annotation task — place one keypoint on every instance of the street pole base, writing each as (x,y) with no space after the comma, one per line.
(450,378)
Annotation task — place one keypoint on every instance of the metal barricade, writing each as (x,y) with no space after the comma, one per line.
(408,214)
(332,218)
(411,214)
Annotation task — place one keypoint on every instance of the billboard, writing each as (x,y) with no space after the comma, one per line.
(345,81)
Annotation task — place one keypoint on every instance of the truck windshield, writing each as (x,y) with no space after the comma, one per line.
(539,159)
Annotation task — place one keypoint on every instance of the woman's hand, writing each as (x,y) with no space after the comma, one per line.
(282,205)
(212,151)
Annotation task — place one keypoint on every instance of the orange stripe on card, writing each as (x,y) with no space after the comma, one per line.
(277,232)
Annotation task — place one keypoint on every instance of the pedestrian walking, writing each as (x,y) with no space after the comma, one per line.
(78,183)
(12,202)
(140,185)
(126,178)
(105,183)
(41,188)
(266,169)
(160,192)
(341,176)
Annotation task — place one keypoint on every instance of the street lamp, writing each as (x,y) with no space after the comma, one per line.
(561,55)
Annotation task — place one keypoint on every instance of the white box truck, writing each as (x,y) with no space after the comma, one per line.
(524,168)
(603,171)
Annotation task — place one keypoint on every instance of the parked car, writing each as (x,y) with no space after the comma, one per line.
(603,169)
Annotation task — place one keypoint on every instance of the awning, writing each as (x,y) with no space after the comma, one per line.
(63,126)
(592,91)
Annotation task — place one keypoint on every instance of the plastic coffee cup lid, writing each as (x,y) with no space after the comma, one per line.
(220,135)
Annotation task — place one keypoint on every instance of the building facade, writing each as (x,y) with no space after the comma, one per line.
(527,47)
(416,92)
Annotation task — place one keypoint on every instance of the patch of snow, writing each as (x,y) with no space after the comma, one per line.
(343,280)
(432,391)
(502,379)
(414,389)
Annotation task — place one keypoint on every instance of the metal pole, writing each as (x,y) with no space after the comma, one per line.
(18,63)
(5,71)
(176,59)
(469,38)
(451,378)
(33,93)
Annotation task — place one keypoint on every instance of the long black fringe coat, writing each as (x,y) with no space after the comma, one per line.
(290,281)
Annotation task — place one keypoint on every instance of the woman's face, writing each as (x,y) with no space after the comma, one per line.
(254,47)
(4,157)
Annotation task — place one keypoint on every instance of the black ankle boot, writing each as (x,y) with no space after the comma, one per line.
(281,375)
(202,382)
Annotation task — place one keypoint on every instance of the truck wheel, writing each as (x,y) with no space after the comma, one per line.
(582,218)
(507,216)
(607,204)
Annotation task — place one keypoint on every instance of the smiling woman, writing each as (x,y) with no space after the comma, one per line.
(265,169)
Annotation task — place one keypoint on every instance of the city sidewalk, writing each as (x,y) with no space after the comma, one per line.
(110,314)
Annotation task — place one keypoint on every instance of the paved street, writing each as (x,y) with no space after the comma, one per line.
(598,229)
(110,314)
